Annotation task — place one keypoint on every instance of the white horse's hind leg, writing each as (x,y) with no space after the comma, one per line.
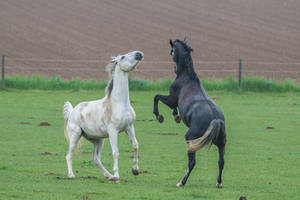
(98,145)
(131,135)
(113,139)
(74,136)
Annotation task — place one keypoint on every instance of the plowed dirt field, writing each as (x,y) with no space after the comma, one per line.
(75,38)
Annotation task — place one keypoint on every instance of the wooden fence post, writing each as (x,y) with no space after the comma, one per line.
(240,75)
(3,73)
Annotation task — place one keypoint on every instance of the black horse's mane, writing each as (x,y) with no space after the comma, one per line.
(187,47)
(187,63)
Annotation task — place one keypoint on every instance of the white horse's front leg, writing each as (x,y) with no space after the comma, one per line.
(131,135)
(113,139)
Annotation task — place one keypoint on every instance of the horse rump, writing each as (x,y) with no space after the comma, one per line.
(211,134)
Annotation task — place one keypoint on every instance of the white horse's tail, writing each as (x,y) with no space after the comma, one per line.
(67,109)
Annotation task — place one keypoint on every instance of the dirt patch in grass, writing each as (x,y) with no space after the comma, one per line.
(45,124)
(46,153)
(51,174)
(143,172)
(144,120)
(170,133)
(24,123)
(270,128)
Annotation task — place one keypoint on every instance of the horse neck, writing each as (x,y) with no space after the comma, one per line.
(187,67)
(120,91)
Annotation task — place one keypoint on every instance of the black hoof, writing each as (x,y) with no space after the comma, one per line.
(135,172)
(177,119)
(160,118)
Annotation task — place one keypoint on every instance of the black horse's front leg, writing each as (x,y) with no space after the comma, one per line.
(159,117)
(176,116)
(191,164)
(168,100)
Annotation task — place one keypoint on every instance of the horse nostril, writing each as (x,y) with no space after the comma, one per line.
(138,56)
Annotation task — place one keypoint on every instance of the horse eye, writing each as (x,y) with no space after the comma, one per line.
(122,57)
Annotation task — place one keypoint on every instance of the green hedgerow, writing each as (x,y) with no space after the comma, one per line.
(255,84)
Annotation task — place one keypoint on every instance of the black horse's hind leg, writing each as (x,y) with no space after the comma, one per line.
(168,100)
(220,142)
(221,165)
(191,164)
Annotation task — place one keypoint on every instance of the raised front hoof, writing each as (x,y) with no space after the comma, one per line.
(177,119)
(135,172)
(160,118)
(219,185)
(179,184)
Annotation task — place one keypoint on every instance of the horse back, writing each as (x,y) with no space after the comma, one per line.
(193,101)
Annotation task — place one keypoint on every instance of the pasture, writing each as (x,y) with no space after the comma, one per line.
(261,162)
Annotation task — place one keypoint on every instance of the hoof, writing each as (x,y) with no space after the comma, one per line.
(160,118)
(219,185)
(109,177)
(179,184)
(135,172)
(115,179)
(71,176)
(177,119)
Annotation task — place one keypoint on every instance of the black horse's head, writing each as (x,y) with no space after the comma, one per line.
(181,54)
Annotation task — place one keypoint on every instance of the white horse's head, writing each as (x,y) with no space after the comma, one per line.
(126,62)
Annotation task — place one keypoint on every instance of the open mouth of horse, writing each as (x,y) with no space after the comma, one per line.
(137,62)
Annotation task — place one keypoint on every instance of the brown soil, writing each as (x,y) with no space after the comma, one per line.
(167,133)
(76,38)
(45,124)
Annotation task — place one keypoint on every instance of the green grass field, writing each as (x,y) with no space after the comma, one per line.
(260,163)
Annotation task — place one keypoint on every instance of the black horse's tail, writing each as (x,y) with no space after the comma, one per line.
(213,131)
(211,134)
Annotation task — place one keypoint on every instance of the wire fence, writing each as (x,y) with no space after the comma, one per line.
(151,70)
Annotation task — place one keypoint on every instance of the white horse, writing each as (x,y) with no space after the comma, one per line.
(105,118)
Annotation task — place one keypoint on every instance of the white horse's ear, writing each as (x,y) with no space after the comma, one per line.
(110,68)
(114,58)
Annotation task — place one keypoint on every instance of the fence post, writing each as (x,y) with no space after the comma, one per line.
(3,73)
(240,75)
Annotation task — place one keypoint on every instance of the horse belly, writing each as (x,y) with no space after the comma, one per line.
(95,129)
(95,133)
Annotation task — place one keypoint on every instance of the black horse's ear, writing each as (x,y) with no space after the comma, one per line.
(171,43)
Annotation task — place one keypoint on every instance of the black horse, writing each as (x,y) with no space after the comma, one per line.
(199,113)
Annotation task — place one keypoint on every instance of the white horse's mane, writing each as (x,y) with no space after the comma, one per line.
(110,69)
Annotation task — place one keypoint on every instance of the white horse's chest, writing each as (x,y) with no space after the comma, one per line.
(122,117)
